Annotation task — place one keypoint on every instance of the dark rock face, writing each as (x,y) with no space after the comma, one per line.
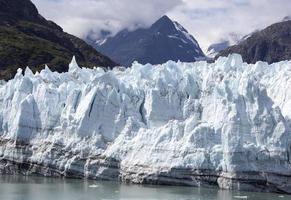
(18,9)
(27,39)
(164,40)
(272,44)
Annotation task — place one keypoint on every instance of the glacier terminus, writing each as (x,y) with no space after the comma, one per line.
(197,124)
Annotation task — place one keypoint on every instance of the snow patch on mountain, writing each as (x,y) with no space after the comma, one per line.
(189,37)
(225,123)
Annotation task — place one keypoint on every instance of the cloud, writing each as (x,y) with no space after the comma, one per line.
(213,20)
(80,17)
(208,20)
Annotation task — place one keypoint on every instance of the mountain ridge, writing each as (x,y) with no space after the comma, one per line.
(28,39)
(272,44)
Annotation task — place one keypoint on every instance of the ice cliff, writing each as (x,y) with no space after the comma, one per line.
(225,123)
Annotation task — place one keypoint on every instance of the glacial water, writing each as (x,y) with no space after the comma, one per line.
(39,188)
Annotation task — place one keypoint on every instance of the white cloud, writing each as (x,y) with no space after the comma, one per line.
(81,16)
(207,20)
(211,20)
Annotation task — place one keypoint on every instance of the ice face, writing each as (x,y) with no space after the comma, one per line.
(225,117)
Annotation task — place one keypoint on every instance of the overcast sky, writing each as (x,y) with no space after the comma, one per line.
(207,20)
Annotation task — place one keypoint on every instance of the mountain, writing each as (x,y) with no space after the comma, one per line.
(229,40)
(164,40)
(215,48)
(101,38)
(28,39)
(287,18)
(222,124)
(272,44)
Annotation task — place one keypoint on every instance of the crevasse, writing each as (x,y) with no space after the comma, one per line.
(225,123)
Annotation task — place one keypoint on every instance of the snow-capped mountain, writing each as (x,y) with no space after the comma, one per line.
(215,48)
(164,40)
(224,124)
(102,38)
(224,43)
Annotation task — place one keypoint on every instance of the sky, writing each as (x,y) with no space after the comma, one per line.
(209,21)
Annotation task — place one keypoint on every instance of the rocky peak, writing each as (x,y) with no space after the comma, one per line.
(164,24)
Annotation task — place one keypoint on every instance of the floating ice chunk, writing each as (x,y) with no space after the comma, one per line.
(240,197)
(93,186)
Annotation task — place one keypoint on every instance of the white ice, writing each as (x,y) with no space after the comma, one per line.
(227,116)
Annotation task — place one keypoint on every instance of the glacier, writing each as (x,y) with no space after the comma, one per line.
(224,124)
